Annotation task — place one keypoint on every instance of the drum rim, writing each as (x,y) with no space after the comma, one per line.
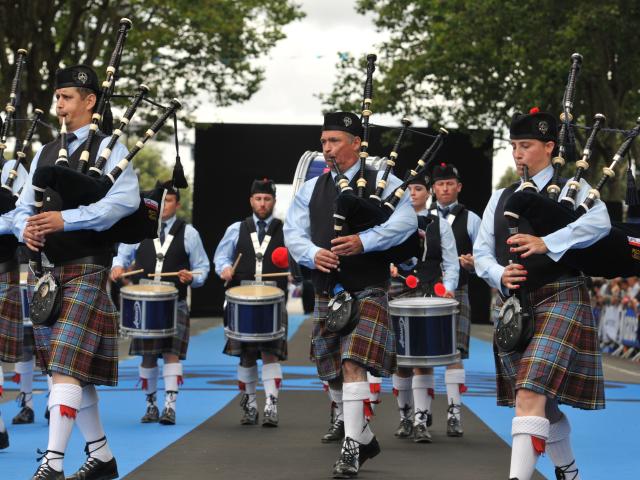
(423,312)
(428,360)
(130,290)
(153,297)
(163,333)
(242,300)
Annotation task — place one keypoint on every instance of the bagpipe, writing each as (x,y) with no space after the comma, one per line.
(10,108)
(86,184)
(615,255)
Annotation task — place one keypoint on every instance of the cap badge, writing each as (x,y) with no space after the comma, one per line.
(347,121)
(82,77)
(543,127)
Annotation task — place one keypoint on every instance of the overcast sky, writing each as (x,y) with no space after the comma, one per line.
(303,65)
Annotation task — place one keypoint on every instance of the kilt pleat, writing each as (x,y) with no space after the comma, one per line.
(563,360)
(83,343)
(11,329)
(371,344)
(176,344)
(463,321)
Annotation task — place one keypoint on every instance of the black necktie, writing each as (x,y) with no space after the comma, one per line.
(262,230)
(162,235)
(444,211)
(70,138)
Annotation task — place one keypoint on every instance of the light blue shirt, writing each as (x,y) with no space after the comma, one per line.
(121,200)
(450,263)
(6,220)
(198,260)
(297,230)
(473,221)
(224,255)
(585,231)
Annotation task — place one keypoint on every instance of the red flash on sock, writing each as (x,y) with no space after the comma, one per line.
(242,386)
(539,445)
(16,378)
(68,411)
(180,380)
(278,383)
(431,392)
(395,392)
(1,390)
(462,388)
(144,382)
(368,409)
(374,387)
(325,387)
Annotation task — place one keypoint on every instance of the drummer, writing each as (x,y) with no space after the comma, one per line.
(438,261)
(239,239)
(179,249)
(465,224)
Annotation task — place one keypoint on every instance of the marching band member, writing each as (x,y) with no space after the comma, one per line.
(344,359)
(415,389)
(562,362)
(179,249)
(446,186)
(81,351)
(256,238)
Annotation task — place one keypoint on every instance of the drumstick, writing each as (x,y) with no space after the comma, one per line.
(279,274)
(132,272)
(173,274)
(233,268)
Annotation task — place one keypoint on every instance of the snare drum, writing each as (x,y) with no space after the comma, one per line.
(254,313)
(148,310)
(425,330)
(26,292)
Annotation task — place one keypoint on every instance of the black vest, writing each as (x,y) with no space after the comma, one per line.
(175,259)
(246,269)
(541,269)
(463,241)
(429,270)
(65,246)
(357,272)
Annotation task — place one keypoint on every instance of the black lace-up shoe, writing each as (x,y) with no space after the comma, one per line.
(348,464)
(564,473)
(45,472)
(168,417)
(25,415)
(454,424)
(4,440)
(335,434)
(249,413)
(405,429)
(421,433)
(152,415)
(368,450)
(94,469)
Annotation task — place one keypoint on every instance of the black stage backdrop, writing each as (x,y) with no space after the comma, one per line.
(229,156)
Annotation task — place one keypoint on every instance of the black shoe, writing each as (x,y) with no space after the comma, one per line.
(421,433)
(335,434)
(45,472)
(454,424)
(348,464)
(270,417)
(24,416)
(94,469)
(405,429)
(151,416)
(368,450)
(4,440)
(249,414)
(168,417)
(563,472)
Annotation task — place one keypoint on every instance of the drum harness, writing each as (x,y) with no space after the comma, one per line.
(260,249)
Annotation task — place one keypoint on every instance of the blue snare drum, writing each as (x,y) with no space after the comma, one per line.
(148,310)
(425,330)
(254,313)
(26,291)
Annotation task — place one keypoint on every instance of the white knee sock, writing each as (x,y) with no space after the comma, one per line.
(247,381)
(3,428)
(25,370)
(529,436)
(271,380)
(375,387)
(404,395)
(64,401)
(149,379)
(559,448)
(421,397)
(338,405)
(453,379)
(1,379)
(172,373)
(355,425)
(91,427)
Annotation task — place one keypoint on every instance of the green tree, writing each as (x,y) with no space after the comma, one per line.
(475,62)
(190,49)
(509,177)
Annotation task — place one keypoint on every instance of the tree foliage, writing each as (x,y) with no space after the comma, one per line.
(190,49)
(475,62)
(508,178)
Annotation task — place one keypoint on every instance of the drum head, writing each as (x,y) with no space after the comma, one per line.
(149,291)
(423,306)
(254,293)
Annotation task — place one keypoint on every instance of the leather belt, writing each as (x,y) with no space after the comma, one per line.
(9,266)
(103,260)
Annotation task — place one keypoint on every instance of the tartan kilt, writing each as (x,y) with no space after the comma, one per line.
(279,348)
(463,321)
(11,329)
(372,343)
(83,343)
(563,360)
(176,344)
